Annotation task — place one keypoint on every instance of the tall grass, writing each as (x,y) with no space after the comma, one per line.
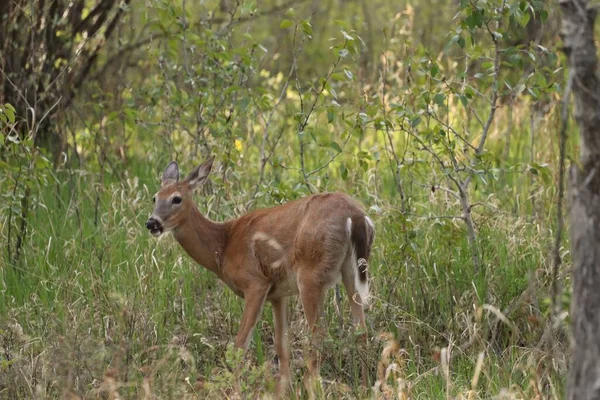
(97,307)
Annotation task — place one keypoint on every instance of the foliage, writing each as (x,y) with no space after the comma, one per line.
(24,168)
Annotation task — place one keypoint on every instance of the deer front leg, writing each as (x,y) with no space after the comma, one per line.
(255,299)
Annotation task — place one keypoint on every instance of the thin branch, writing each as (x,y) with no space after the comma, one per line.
(302,125)
(331,159)
(437,187)
(494,100)
(272,11)
(127,49)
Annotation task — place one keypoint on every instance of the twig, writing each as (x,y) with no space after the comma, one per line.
(494,100)
(272,11)
(302,125)
(391,149)
(263,158)
(331,159)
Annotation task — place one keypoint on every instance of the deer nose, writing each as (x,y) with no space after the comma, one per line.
(152,223)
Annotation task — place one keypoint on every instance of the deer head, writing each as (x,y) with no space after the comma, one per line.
(173,201)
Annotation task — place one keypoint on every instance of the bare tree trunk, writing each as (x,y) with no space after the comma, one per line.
(583,381)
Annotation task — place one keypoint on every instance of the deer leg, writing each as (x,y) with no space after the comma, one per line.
(358,315)
(255,299)
(281,344)
(312,293)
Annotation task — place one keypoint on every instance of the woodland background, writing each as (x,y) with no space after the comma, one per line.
(443,117)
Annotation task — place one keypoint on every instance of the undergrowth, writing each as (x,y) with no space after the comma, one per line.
(98,307)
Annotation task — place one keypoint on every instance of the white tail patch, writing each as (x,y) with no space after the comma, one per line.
(370,223)
(349,227)
(361,287)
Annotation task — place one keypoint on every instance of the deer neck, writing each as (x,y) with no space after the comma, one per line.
(203,239)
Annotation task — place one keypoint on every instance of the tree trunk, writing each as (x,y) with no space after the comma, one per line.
(583,381)
(41,71)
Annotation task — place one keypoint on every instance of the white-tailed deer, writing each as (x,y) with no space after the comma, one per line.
(302,247)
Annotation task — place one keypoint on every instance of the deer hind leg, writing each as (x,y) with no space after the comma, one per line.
(312,293)
(281,344)
(356,306)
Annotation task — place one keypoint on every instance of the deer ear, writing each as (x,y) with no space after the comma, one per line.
(171,174)
(199,175)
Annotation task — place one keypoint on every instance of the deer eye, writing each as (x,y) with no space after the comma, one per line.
(154,199)
(176,200)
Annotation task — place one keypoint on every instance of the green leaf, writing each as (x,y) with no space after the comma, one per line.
(525,20)
(10,113)
(439,99)
(335,146)
(541,80)
(542,171)
(286,23)
(307,28)
(344,171)
(330,116)
(248,7)
(338,76)
(364,165)
(363,154)
(534,92)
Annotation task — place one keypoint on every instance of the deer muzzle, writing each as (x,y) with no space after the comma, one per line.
(155,226)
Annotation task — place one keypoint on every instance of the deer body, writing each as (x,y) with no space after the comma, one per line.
(299,248)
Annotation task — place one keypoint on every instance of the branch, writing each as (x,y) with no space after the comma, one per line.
(496,74)
(493,101)
(94,55)
(247,18)
(331,159)
(126,50)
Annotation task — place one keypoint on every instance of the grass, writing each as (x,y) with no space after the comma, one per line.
(96,306)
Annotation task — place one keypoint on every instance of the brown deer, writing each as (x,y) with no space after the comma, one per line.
(302,247)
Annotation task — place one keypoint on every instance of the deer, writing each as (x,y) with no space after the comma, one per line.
(302,247)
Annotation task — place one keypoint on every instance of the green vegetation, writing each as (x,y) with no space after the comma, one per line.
(441,119)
